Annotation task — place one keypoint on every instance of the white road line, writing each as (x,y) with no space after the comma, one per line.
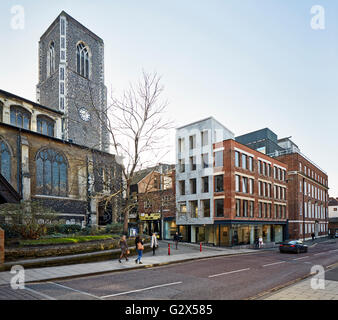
(272,264)
(71,289)
(222,274)
(301,258)
(39,293)
(139,290)
(318,254)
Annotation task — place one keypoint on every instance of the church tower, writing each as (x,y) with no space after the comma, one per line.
(71,80)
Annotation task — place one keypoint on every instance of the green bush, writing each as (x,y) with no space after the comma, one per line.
(63,229)
(115,228)
(10,231)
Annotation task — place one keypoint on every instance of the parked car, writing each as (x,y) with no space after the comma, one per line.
(295,246)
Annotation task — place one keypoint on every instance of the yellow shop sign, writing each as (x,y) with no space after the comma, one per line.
(150,216)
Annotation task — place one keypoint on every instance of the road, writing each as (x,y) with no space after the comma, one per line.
(223,278)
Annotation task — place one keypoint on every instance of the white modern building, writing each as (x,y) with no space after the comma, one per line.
(194,174)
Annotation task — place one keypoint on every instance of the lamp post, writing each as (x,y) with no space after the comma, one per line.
(303,210)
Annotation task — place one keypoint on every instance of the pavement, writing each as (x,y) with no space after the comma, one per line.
(185,252)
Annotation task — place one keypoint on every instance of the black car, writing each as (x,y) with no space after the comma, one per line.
(293,246)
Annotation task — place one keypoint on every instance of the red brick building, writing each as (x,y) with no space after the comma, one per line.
(307,196)
(250,195)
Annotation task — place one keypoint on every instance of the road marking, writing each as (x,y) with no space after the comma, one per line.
(317,254)
(39,293)
(139,290)
(71,289)
(272,264)
(222,274)
(301,258)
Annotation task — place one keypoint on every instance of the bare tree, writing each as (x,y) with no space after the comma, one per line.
(137,127)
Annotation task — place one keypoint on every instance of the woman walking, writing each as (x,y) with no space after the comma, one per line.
(139,248)
(154,243)
(124,249)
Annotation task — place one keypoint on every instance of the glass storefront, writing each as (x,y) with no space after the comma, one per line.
(169,229)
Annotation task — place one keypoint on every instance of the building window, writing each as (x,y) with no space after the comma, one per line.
(219,204)
(206,208)
(51,173)
(45,126)
(205,184)
(251,209)
(237,159)
(82,60)
(182,187)
(5,161)
(237,183)
(259,166)
(192,142)
(192,163)
(251,186)
(264,168)
(204,138)
(238,208)
(205,161)
(244,185)
(20,117)
(219,183)
(181,164)
(245,208)
(51,59)
(193,186)
(269,170)
(181,145)
(194,209)
(260,209)
(250,163)
(182,208)
(244,161)
(219,159)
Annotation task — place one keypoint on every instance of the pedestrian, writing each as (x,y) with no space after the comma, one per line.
(124,249)
(176,239)
(140,248)
(154,243)
(260,242)
(313,236)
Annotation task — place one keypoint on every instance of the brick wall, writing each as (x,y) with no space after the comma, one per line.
(2,246)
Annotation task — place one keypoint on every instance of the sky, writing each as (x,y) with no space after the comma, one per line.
(250,64)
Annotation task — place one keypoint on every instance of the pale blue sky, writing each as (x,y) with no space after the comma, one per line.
(250,63)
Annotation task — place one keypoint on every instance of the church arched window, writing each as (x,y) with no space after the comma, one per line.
(51,59)
(45,125)
(5,161)
(51,173)
(82,60)
(20,117)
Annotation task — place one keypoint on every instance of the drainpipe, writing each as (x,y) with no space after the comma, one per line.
(19,164)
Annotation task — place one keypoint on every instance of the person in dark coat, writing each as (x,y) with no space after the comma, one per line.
(124,249)
(176,239)
(313,236)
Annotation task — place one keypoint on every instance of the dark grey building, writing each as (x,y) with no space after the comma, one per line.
(264,140)
(71,80)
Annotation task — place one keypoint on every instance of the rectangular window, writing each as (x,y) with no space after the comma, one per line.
(181,165)
(251,164)
(244,185)
(219,183)
(269,170)
(205,184)
(219,204)
(259,166)
(204,138)
(244,161)
(181,145)
(245,208)
(251,209)
(237,183)
(251,186)
(193,186)
(219,159)
(192,163)
(259,188)
(237,159)
(182,187)
(264,169)
(205,160)
(238,208)
(206,208)
(192,142)
(194,209)
(260,209)
(269,210)
(276,213)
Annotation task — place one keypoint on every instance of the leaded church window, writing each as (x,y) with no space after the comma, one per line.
(5,161)
(82,60)
(20,117)
(51,173)
(45,126)
(51,59)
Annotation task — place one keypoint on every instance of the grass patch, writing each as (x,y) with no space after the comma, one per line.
(64,240)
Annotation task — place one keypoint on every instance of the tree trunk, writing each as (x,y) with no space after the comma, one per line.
(126,211)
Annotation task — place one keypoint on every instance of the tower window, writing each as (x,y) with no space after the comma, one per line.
(51,59)
(82,60)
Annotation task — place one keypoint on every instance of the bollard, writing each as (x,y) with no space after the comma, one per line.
(201,247)
(168,249)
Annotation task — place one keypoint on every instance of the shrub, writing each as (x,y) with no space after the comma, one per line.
(27,219)
(115,228)
(10,231)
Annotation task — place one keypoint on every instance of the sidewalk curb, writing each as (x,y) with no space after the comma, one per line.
(145,266)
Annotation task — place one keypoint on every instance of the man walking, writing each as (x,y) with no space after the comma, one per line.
(176,239)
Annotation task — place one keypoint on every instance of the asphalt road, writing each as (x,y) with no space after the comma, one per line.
(222,278)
